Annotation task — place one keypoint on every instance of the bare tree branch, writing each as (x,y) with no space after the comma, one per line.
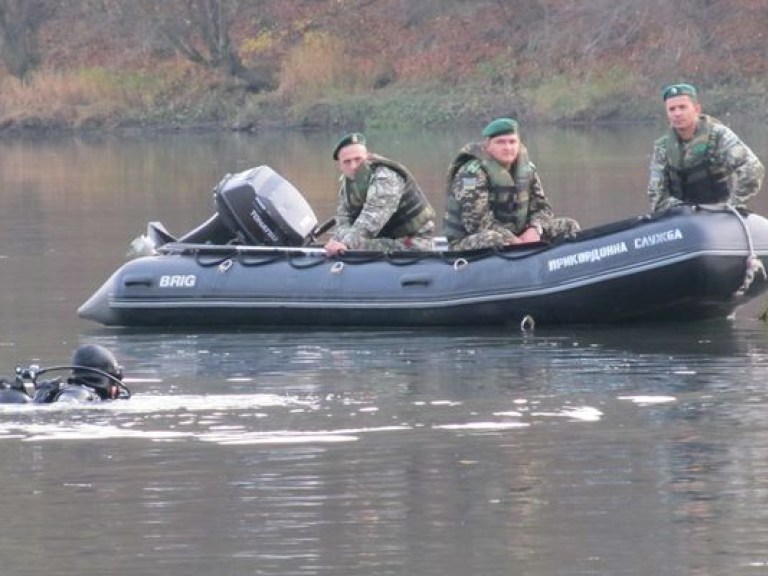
(199,30)
(20,21)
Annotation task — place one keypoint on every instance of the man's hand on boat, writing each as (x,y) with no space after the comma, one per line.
(530,234)
(333,247)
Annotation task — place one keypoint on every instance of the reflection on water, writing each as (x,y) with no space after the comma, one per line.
(606,451)
(402,452)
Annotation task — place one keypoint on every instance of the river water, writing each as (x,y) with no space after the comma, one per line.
(595,451)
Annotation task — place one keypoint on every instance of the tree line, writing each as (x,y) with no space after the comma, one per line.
(506,43)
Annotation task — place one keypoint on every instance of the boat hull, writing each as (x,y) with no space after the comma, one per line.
(684,266)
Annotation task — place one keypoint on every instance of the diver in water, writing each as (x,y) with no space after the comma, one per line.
(95,376)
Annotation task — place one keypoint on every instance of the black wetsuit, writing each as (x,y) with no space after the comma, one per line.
(72,390)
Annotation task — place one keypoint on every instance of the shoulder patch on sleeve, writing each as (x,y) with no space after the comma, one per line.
(468,182)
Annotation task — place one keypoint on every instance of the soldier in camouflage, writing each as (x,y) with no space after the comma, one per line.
(699,160)
(495,197)
(380,205)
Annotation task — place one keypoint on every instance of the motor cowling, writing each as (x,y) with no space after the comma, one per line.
(262,208)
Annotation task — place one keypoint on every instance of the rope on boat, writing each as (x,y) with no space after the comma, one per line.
(404,260)
(248,261)
(208,255)
(204,261)
(754,264)
(300,263)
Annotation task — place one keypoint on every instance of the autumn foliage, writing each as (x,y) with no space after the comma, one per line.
(111,62)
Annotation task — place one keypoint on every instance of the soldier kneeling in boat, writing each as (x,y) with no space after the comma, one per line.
(380,206)
(699,160)
(495,197)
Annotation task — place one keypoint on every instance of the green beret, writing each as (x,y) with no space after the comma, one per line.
(500,126)
(678,90)
(353,138)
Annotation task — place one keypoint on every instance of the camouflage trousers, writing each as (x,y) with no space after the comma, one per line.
(561,228)
(421,240)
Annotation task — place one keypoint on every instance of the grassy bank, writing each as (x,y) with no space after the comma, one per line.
(184,97)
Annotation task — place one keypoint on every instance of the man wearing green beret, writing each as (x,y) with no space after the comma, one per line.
(380,205)
(495,197)
(699,160)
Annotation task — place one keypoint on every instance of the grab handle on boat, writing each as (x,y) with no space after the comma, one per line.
(337,267)
(415,280)
(460,264)
(527,324)
(137,281)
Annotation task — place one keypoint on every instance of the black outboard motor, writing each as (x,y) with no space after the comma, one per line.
(264,208)
(257,207)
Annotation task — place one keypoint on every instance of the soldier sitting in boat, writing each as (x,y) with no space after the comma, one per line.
(699,160)
(95,377)
(495,197)
(380,205)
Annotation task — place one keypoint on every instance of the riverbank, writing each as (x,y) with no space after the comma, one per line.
(188,100)
(332,65)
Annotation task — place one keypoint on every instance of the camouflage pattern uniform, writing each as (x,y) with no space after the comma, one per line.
(470,187)
(726,153)
(383,197)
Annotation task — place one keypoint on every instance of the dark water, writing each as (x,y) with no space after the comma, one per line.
(610,451)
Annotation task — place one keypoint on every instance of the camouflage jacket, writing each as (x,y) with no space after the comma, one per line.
(472,203)
(387,203)
(726,154)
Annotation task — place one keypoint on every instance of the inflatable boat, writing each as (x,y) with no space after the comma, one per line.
(257,263)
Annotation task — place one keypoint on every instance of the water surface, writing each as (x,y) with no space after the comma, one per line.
(605,451)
